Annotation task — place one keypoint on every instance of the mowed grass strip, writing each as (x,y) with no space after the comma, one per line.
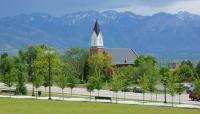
(30,106)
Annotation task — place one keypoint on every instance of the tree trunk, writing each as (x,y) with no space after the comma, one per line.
(33,91)
(71,91)
(151,96)
(156,96)
(179,98)
(124,96)
(98,92)
(63,94)
(172,101)
(90,95)
(10,92)
(116,97)
(45,90)
(143,98)
(36,93)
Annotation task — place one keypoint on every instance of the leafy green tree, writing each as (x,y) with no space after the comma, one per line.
(187,62)
(38,79)
(41,63)
(71,81)
(152,81)
(31,55)
(180,89)
(77,57)
(61,82)
(116,85)
(197,87)
(172,86)
(9,80)
(5,65)
(186,72)
(20,73)
(198,69)
(164,72)
(97,80)
(179,86)
(144,65)
(90,86)
(143,84)
(99,63)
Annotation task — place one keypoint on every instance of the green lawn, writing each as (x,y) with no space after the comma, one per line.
(25,106)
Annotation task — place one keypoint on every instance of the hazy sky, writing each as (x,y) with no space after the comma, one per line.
(61,7)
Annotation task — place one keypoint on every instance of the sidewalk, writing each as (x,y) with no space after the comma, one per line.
(107,101)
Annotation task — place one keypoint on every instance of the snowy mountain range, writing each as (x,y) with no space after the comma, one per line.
(163,35)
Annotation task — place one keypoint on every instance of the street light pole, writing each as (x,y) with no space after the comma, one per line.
(165,84)
(49,54)
(49,78)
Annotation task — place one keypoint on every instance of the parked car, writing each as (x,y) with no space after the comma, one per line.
(188,87)
(137,89)
(193,96)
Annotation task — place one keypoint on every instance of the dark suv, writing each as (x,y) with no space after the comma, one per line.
(137,89)
(193,96)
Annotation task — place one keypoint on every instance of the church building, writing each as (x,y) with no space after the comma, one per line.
(120,56)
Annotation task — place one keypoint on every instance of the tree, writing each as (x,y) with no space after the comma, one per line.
(197,87)
(97,80)
(179,86)
(126,76)
(76,57)
(172,86)
(100,63)
(20,73)
(9,80)
(41,63)
(31,55)
(151,81)
(90,85)
(6,65)
(198,69)
(180,89)
(61,82)
(116,85)
(71,81)
(38,79)
(186,72)
(164,72)
(187,62)
(143,84)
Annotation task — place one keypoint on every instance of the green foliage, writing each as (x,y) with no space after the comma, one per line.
(186,72)
(144,83)
(99,63)
(72,81)
(76,57)
(20,73)
(5,65)
(90,84)
(61,81)
(198,69)
(187,62)
(97,81)
(152,80)
(197,87)
(116,84)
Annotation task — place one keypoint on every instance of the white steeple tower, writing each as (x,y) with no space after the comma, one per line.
(97,40)
(97,37)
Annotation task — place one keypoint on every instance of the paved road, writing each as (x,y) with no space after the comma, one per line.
(128,95)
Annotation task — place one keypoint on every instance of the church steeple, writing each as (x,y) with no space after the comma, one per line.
(97,39)
(97,28)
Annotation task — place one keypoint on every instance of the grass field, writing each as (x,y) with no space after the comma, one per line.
(30,106)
